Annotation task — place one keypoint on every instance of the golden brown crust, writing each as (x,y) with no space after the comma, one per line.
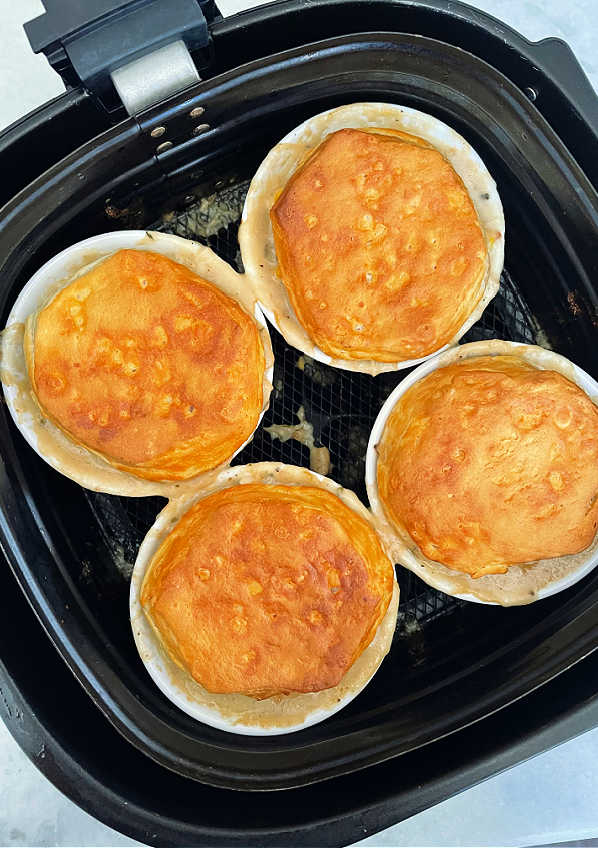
(149,365)
(268,589)
(491,462)
(379,246)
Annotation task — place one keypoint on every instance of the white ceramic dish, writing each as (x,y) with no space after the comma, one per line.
(257,240)
(86,467)
(238,713)
(505,589)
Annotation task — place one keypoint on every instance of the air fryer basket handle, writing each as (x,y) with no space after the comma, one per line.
(557,60)
(86,42)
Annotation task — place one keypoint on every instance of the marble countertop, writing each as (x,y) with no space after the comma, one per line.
(552,798)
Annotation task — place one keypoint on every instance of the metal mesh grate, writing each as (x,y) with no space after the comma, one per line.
(341,406)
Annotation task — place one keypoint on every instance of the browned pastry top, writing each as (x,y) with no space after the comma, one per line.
(268,589)
(379,246)
(149,365)
(490,462)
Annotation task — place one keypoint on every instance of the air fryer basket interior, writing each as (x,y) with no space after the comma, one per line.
(451,662)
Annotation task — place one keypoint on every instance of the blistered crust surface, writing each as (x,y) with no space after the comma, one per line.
(490,462)
(379,246)
(268,589)
(256,234)
(523,582)
(148,364)
(242,713)
(88,467)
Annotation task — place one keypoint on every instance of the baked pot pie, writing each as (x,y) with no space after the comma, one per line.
(142,366)
(482,471)
(264,602)
(373,235)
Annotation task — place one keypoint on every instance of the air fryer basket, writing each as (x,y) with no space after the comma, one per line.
(451,663)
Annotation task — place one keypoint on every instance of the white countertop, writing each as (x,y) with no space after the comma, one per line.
(549,799)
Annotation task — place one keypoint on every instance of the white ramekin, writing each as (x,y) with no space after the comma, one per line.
(250,716)
(257,240)
(490,588)
(86,467)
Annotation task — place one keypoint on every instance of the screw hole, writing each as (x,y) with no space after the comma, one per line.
(531,93)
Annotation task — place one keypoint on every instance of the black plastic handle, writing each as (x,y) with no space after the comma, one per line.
(559,63)
(85,42)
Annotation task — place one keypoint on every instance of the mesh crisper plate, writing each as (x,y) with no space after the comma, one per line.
(340,405)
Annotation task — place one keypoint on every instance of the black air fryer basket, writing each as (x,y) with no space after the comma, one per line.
(467,689)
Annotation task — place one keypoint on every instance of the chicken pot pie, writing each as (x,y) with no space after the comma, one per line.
(373,235)
(150,365)
(484,469)
(266,599)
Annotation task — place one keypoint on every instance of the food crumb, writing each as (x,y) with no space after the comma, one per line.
(303,432)
(319,460)
(573,304)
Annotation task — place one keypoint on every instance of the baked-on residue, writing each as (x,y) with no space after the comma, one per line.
(149,365)
(268,589)
(379,246)
(491,462)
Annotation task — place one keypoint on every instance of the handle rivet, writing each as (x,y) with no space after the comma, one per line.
(200,128)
